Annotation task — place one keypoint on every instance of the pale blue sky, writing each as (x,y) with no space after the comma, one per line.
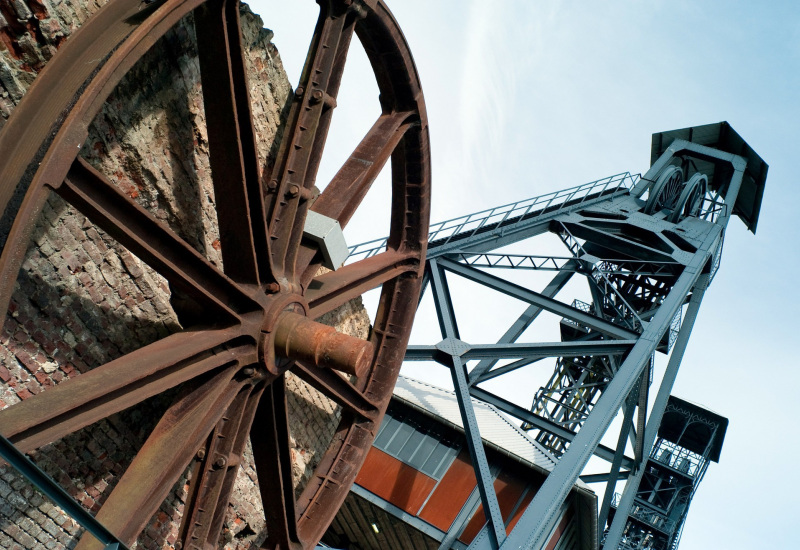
(529,97)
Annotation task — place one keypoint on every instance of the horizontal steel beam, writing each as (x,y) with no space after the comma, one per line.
(499,371)
(602,478)
(503,235)
(523,350)
(521,324)
(548,304)
(537,421)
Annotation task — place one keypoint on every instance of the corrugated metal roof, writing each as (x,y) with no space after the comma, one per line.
(495,428)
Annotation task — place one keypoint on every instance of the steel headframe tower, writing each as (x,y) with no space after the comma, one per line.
(648,247)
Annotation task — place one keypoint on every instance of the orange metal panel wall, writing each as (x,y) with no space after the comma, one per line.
(562,526)
(523,505)
(395,481)
(508,489)
(451,494)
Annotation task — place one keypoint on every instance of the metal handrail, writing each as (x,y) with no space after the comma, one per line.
(508,214)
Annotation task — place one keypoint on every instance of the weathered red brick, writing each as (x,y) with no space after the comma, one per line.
(26,360)
(24,393)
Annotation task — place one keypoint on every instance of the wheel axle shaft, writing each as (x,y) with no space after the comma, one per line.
(298,337)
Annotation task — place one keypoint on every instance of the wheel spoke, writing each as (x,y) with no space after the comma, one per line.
(333,385)
(353,180)
(214,472)
(304,138)
(232,142)
(165,455)
(269,435)
(332,289)
(136,229)
(120,384)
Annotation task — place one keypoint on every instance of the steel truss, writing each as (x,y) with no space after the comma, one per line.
(648,247)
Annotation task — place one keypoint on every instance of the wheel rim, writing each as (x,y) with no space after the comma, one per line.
(690,202)
(227,372)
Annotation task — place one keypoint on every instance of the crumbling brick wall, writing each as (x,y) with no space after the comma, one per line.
(82,299)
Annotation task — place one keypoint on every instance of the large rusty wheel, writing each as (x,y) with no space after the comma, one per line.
(254,320)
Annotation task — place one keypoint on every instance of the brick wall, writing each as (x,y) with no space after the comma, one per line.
(82,299)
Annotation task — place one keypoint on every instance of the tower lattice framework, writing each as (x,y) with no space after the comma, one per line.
(648,247)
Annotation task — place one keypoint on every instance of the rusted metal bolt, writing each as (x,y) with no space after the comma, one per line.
(220,462)
(178,545)
(298,337)
(299,91)
(273,288)
(248,371)
(201,454)
(272,186)
(294,190)
(317,96)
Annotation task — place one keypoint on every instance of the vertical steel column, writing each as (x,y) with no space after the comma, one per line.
(449,328)
(615,464)
(657,412)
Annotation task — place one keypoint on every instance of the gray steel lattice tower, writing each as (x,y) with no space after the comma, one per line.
(648,247)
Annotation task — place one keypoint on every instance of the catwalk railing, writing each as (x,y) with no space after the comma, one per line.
(509,215)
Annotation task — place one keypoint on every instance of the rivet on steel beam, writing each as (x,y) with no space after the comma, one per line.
(248,371)
(294,190)
(220,462)
(318,96)
(201,454)
(299,91)
(272,186)
(178,545)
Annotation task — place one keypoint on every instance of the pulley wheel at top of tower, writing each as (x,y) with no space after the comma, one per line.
(665,191)
(682,199)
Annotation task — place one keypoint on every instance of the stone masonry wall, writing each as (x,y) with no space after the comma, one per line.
(82,299)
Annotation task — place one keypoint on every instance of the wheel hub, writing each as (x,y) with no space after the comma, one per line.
(288,335)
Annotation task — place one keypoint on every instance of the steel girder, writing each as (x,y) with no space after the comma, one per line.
(648,253)
(58,495)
